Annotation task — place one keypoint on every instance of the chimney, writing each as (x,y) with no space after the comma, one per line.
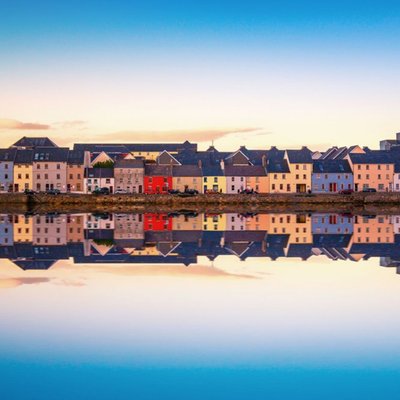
(200,164)
(222,164)
(264,160)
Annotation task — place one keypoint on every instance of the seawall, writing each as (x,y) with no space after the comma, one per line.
(227,202)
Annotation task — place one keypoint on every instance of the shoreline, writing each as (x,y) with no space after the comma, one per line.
(373,203)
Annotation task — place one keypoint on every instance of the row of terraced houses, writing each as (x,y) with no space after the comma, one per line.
(37,163)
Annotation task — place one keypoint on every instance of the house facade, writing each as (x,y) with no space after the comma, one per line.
(23,170)
(97,178)
(78,161)
(49,168)
(157,179)
(331,176)
(129,175)
(7,157)
(374,169)
(187,177)
(300,164)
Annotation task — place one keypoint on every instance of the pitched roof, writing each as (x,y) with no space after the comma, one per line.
(135,147)
(373,157)
(23,157)
(186,170)
(33,142)
(158,170)
(331,166)
(7,154)
(99,173)
(244,170)
(51,154)
(129,163)
(76,157)
(303,155)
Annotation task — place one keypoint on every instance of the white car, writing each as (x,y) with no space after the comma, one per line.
(120,191)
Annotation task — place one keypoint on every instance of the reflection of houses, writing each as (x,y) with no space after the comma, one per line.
(23,228)
(128,226)
(6,230)
(187,221)
(75,227)
(235,222)
(373,229)
(332,223)
(100,221)
(49,229)
(214,222)
(298,226)
(157,222)
(333,246)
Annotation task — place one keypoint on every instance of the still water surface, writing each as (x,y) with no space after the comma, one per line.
(199,306)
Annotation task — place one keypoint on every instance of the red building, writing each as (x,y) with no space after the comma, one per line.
(157,179)
(157,222)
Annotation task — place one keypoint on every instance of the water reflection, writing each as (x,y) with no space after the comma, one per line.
(39,241)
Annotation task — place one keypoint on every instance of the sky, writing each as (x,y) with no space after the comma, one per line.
(254,73)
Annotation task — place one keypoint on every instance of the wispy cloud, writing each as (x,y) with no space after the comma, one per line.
(8,283)
(193,135)
(13,124)
(72,125)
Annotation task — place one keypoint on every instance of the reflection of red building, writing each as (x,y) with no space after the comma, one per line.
(157,178)
(157,222)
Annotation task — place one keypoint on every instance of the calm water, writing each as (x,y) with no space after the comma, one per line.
(199,306)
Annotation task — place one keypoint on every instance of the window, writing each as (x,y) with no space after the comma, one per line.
(205,179)
(297,176)
(58,166)
(304,176)
(215,179)
(367,167)
(367,176)
(232,179)
(288,187)
(297,166)
(283,176)
(273,186)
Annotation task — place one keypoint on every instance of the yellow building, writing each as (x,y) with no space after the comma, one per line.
(301,167)
(214,222)
(23,228)
(23,170)
(187,177)
(298,226)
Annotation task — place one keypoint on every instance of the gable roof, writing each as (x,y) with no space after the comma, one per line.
(186,170)
(50,154)
(302,156)
(7,154)
(331,166)
(244,170)
(129,163)
(32,142)
(99,173)
(373,157)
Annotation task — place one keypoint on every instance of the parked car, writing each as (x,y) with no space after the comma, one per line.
(191,191)
(120,191)
(53,192)
(369,190)
(29,192)
(103,190)
(346,191)
(248,191)
(174,191)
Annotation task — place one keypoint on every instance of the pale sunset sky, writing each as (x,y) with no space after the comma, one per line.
(255,73)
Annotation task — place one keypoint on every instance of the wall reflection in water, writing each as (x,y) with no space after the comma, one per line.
(39,241)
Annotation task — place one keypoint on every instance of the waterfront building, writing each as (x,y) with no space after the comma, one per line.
(7,157)
(129,175)
(77,162)
(331,176)
(186,177)
(157,179)
(49,168)
(97,178)
(23,170)
(373,169)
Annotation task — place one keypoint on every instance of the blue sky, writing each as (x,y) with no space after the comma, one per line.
(299,72)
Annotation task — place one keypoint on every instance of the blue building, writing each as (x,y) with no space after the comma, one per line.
(332,224)
(6,169)
(331,176)
(6,230)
